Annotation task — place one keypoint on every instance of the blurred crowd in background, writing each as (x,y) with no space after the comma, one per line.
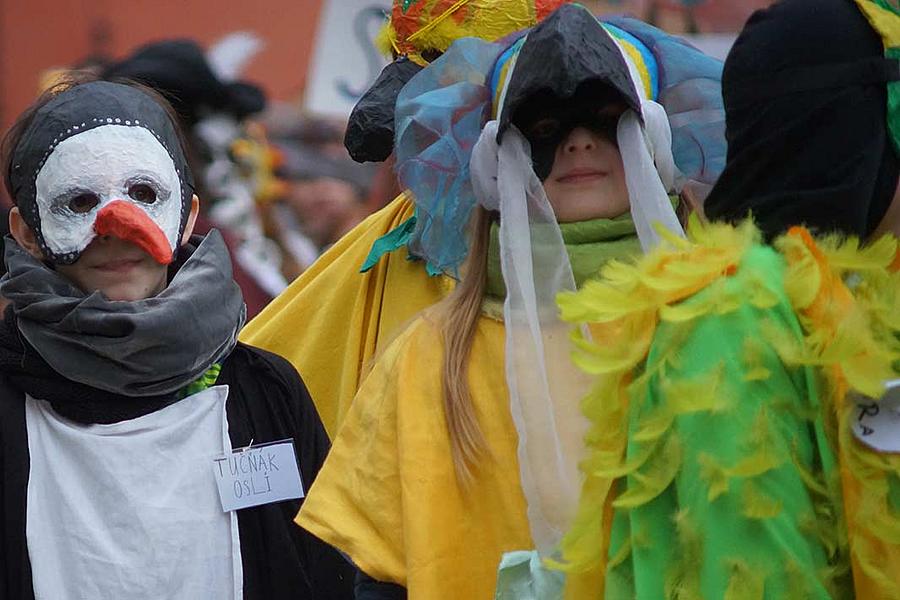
(272,171)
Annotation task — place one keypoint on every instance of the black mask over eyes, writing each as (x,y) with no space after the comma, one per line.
(546,120)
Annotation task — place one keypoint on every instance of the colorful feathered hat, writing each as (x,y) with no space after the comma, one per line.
(418,26)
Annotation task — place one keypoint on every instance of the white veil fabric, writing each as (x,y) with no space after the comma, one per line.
(545,387)
(650,172)
(535,268)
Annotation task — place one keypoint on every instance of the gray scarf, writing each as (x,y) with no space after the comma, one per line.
(150,347)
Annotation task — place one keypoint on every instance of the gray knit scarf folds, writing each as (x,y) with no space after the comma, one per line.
(150,347)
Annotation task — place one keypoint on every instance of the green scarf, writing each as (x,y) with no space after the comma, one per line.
(590,245)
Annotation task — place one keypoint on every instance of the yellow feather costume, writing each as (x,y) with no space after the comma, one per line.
(722,419)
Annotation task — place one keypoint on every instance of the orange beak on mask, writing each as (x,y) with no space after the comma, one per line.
(127,222)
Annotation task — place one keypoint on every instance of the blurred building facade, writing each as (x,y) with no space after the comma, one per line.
(37,35)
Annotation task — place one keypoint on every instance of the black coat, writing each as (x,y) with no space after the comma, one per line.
(267,401)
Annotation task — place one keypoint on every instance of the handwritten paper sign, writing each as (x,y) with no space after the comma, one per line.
(258,475)
(877,423)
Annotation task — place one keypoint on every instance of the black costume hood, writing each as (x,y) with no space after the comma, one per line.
(808,140)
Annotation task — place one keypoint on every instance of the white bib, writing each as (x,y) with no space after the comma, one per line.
(130,510)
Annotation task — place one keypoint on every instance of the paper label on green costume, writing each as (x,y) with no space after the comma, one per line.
(876,423)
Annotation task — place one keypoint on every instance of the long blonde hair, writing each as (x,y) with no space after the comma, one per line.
(459,320)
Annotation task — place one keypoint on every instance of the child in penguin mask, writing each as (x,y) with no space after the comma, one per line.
(122,379)
(455,472)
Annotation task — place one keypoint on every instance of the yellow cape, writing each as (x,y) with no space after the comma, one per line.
(333,319)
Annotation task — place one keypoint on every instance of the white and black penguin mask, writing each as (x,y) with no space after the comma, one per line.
(102,158)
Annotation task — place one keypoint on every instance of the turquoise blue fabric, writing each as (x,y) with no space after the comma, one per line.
(439,117)
(393,240)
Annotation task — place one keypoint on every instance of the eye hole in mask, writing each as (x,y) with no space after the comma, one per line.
(546,120)
(554,129)
(142,192)
(543,129)
(83,203)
